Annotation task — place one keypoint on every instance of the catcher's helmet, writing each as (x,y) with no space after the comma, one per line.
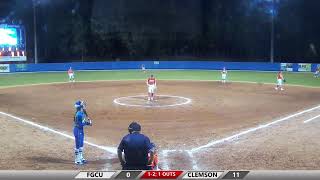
(134,126)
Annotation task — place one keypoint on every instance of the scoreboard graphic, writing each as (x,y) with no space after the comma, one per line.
(153,174)
(163,174)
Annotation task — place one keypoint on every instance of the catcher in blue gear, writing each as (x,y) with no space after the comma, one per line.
(80,120)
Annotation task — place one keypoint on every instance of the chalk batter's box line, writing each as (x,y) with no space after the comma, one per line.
(311,119)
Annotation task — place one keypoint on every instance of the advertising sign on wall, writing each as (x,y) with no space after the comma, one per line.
(21,67)
(14,58)
(4,68)
(286,67)
(304,67)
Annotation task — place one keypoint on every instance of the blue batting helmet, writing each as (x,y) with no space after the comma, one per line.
(78,105)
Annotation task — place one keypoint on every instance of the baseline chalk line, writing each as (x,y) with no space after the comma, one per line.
(311,119)
(213,143)
(112,150)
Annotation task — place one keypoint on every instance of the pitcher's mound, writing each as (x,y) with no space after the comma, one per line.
(159,101)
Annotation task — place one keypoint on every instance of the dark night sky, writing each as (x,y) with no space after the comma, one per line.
(137,29)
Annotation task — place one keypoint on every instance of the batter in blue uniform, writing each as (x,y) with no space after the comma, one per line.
(80,120)
(136,148)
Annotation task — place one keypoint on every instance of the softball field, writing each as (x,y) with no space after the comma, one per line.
(196,122)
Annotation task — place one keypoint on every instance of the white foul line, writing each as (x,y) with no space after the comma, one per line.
(44,128)
(306,121)
(165,152)
(212,143)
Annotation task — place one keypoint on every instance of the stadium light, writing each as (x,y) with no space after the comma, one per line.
(272,12)
(35,2)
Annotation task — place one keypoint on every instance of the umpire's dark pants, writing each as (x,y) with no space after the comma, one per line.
(136,167)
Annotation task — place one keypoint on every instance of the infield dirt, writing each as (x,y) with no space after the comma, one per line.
(216,111)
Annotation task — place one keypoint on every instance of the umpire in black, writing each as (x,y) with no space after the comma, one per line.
(136,148)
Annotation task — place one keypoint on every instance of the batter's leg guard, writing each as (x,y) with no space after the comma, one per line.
(81,155)
(77,159)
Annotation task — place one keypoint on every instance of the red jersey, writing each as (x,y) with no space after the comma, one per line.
(70,71)
(151,81)
(280,76)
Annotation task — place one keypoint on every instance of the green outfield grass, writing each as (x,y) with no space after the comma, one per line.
(305,79)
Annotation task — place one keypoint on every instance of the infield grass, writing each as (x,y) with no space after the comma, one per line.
(304,79)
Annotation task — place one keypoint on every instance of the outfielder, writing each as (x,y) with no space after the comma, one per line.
(152,86)
(71,75)
(80,120)
(143,68)
(224,75)
(317,73)
(280,80)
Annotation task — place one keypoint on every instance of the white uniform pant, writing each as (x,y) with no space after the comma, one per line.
(223,76)
(151,88)
(71,76)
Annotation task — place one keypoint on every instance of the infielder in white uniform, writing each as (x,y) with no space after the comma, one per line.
(71,75)
(280,80)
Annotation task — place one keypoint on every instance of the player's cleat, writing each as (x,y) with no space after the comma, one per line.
(84,161)
(276,88)
(78,162)
(81,158)
(282,89)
